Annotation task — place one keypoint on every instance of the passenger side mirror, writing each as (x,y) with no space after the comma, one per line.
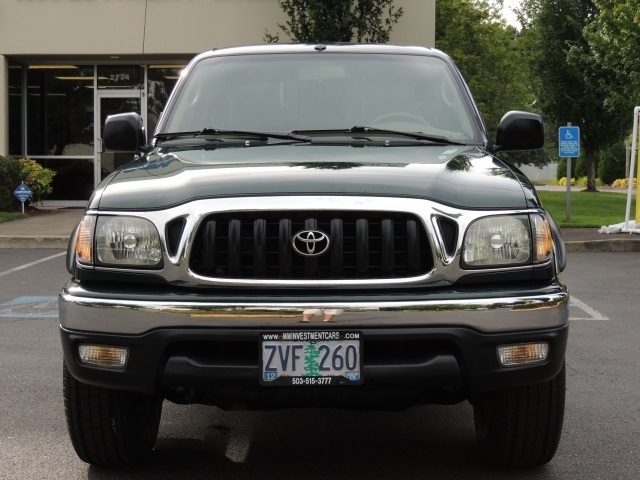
(520,131)
(124,133)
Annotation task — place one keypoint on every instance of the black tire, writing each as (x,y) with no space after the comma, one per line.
(109,428)
(521,427)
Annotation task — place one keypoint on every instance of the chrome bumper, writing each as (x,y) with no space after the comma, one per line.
(487,311)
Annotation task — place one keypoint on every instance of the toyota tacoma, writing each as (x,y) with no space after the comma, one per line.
(316,226)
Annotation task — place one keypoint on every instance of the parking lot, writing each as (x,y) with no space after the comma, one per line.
(601,438)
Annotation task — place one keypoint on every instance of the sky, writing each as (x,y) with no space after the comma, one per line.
(507,11)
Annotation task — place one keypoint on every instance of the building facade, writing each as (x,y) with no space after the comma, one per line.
(65,65)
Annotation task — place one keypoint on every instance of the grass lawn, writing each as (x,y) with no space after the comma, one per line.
(8,216)
(588,209)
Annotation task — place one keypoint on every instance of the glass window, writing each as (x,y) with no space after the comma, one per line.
(73,180)
(161,80)
(119,77)
(15,110)
(60,110)
(309,92)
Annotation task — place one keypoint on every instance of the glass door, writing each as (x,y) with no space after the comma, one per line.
(111,103)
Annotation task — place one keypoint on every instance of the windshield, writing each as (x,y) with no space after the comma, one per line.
(315,92)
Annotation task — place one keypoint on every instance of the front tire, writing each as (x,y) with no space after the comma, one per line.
(109,428)
(521,427)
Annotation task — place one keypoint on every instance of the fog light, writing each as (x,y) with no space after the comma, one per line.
(103,356)
(524,353)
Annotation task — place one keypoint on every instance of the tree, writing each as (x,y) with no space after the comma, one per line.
(489,54)
(614,36)
(313,21)
(572,86)
(311,355)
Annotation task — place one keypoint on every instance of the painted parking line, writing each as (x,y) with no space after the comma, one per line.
(584,312)
(30,307)
(22,267)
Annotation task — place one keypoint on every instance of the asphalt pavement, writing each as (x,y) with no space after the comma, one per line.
(52,227)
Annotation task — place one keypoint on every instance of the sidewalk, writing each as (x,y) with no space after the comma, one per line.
(52,229)
(49,229)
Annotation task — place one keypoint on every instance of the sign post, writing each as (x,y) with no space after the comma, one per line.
(569,147)
(23,193)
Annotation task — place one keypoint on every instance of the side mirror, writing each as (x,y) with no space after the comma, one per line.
(124,133)
(520,131)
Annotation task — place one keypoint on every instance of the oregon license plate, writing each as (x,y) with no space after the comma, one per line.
(311,358)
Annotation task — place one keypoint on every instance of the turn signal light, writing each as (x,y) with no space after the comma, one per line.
(84,239)
(103,356)
(522,354)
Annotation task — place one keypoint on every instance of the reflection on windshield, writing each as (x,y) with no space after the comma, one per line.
(298,92)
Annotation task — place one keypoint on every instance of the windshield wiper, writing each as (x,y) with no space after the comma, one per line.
(264,136)
(381,131)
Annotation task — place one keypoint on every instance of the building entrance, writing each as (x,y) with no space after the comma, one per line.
(111,103)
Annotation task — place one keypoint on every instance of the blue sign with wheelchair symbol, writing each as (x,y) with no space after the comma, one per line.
(569,141)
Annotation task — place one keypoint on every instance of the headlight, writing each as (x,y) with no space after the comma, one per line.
(503,241)
(129,241)
(498,241)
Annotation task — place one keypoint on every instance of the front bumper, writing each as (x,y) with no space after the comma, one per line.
(438,347)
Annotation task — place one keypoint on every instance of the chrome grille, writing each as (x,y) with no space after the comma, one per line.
(363,245)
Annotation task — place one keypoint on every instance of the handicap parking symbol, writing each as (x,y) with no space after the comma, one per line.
(30,307)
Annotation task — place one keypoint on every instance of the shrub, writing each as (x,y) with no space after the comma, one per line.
(563,181)
(612,163)
(561,172)
(624,183)
(580,168)
(9,181)
(38,178)
(582,182)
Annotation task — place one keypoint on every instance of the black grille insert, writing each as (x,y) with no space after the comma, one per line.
(173,234)
(363,245)
(449,230)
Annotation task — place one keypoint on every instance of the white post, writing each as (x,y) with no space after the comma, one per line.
(634,147)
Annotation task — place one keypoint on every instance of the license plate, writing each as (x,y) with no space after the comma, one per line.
(311,358)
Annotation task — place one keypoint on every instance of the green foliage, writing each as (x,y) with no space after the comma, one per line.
(9,181)
(37,178)
(563,181)
(588,209)
(10,216)
(561,172)
(614,36)
(581,166)
(313,21)
(489,53)
(571,84)
(612,163)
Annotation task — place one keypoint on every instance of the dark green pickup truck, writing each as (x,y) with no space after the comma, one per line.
(316,226)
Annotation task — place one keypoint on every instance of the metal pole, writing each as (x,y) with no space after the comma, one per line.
(634,146)
(568,213)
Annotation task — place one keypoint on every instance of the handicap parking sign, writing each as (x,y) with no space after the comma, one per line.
(569,141)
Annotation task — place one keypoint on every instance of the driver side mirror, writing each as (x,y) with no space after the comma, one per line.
(520,131)
(124,133)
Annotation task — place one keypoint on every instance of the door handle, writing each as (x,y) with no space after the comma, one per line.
(100,145)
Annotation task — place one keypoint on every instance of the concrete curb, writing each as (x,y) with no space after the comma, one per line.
(61,242)
(615,245)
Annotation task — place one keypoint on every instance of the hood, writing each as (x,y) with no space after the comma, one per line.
(465,177)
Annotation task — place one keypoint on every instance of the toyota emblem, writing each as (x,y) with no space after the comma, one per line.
(310,243)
